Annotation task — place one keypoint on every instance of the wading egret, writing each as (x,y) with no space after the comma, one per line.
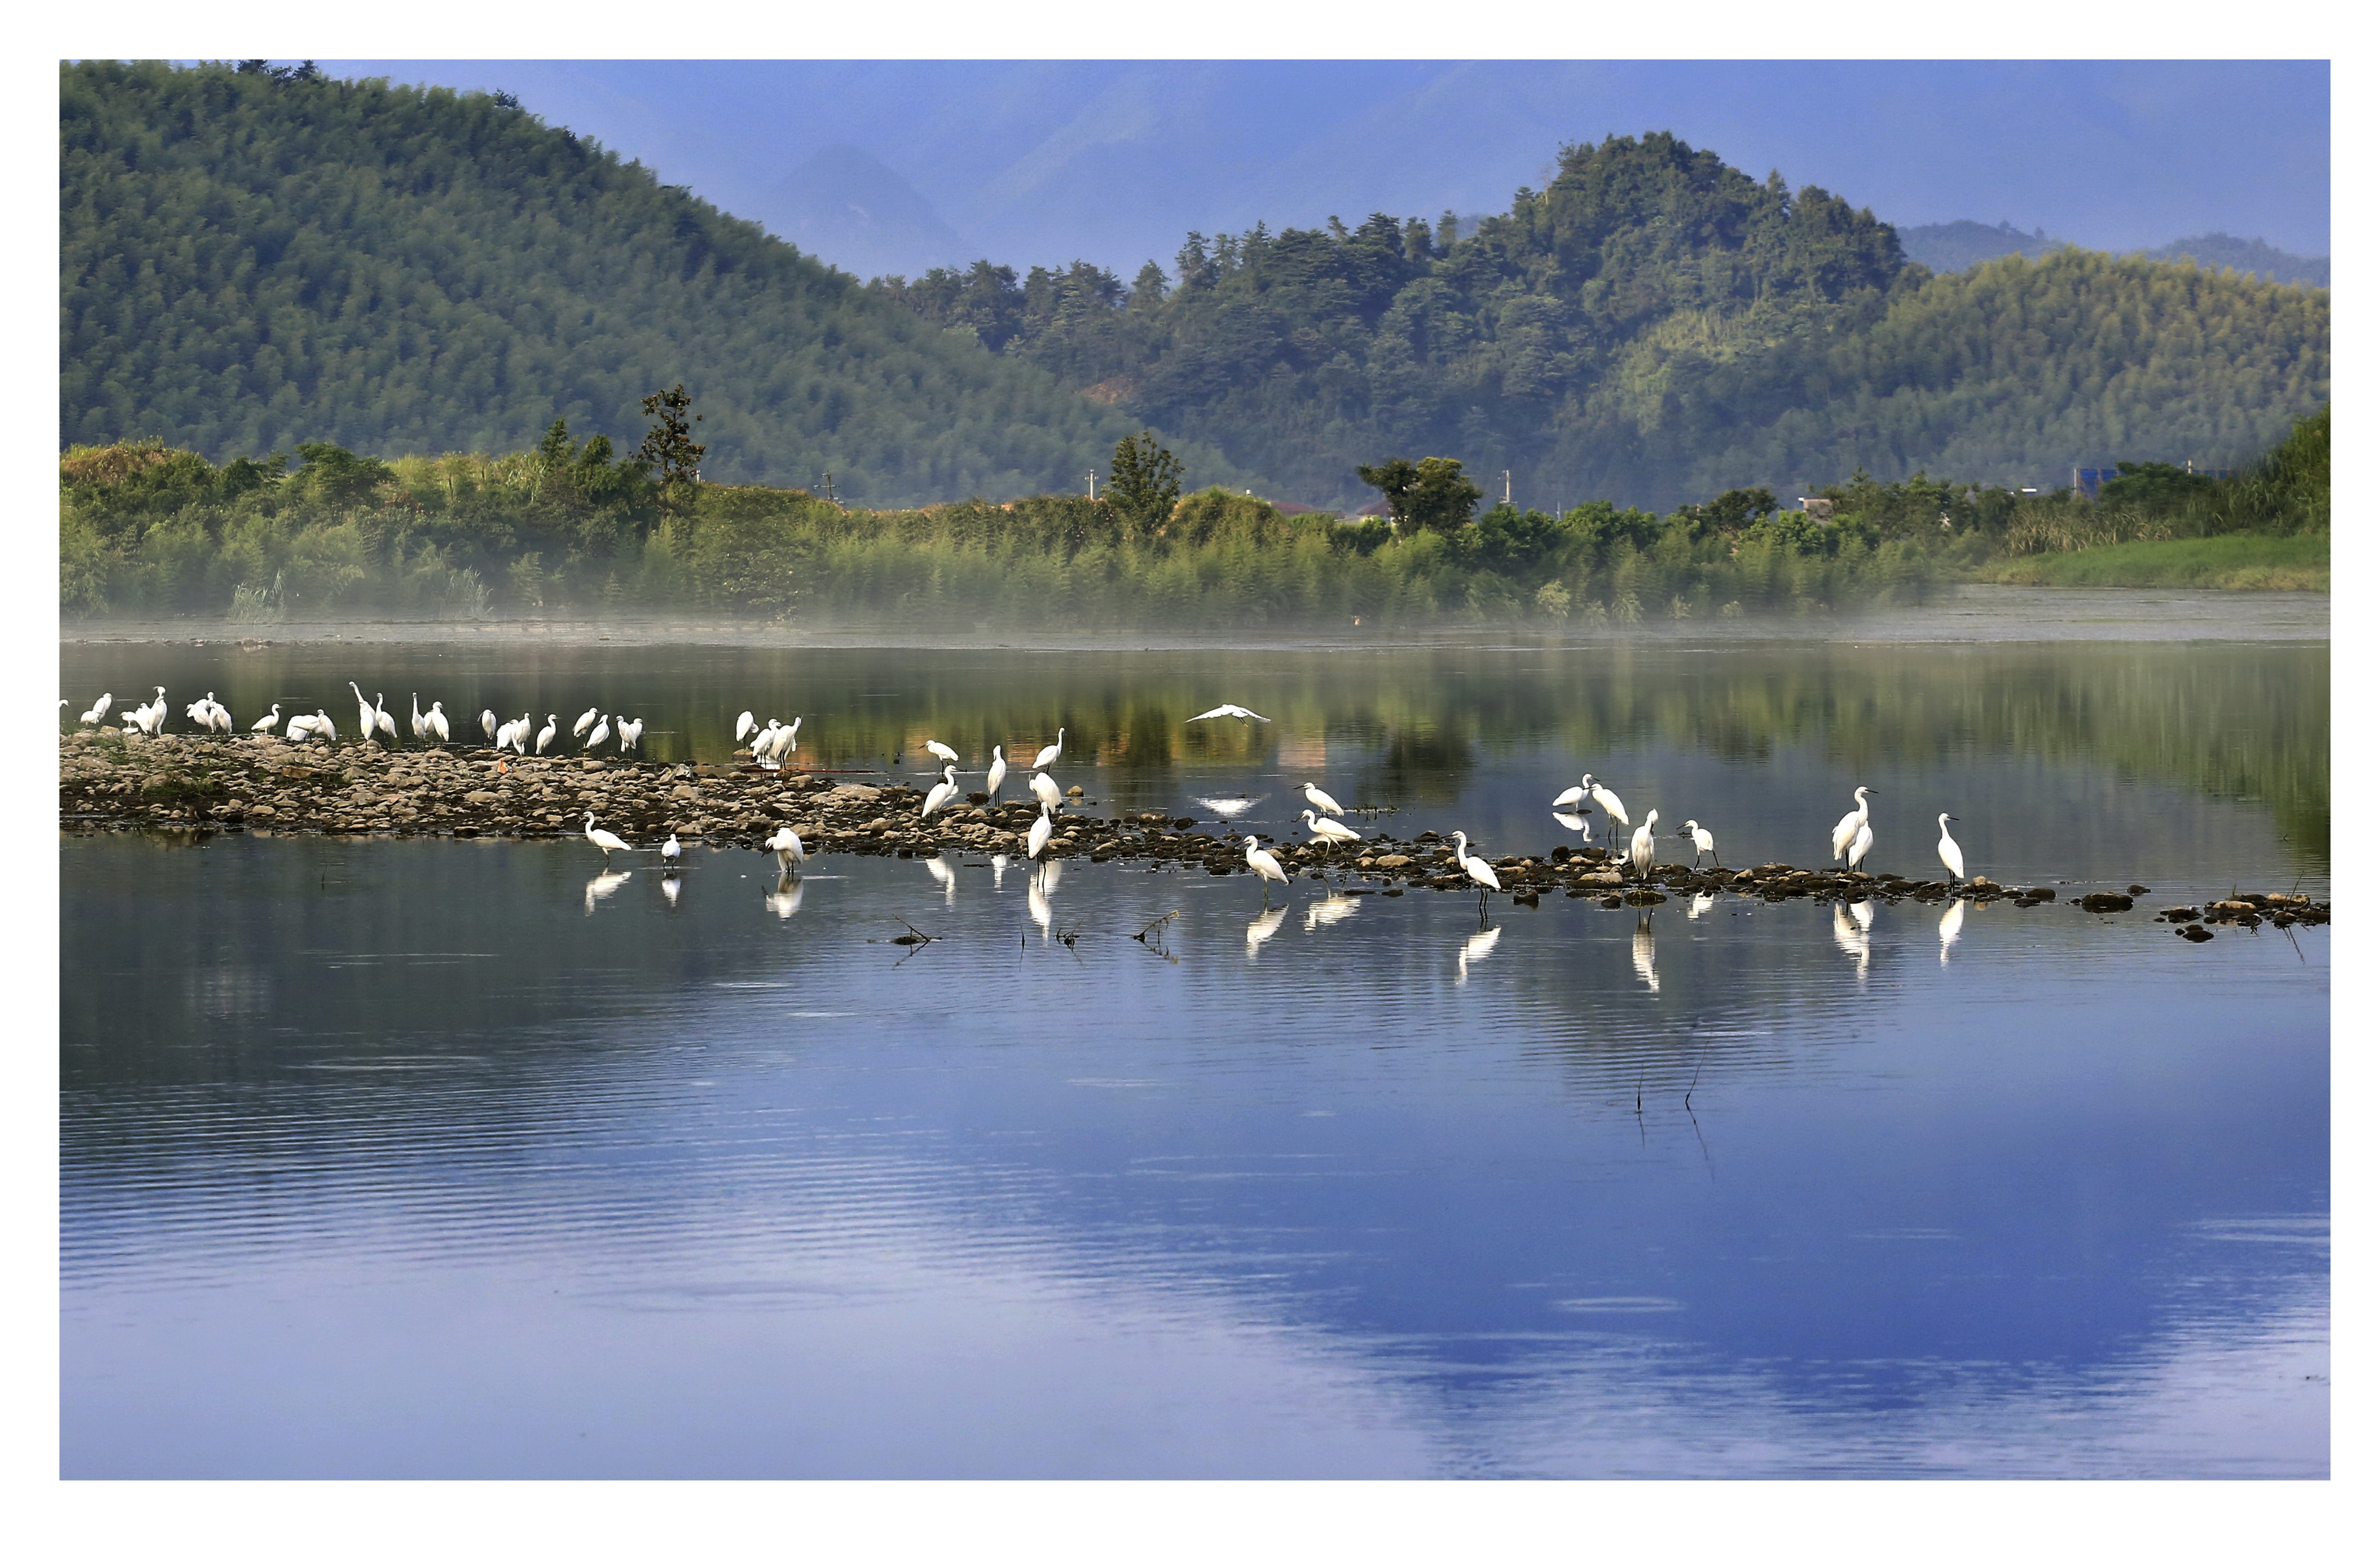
(941,750)
(1609,802)
(1569,796)
(1948,850)
(670,851)
(1048,757)
(998,774)
(602,730)
(1329,830)
(1242,712)
(433,721)
(98,713)
(1481,873)
(1848,825)
(1322,801)
(1268,868)
(1864,839)
(1038,837)
(267,723)
(1046,790)
(604,838)
(1693,831)
(545,734)
(940,796)
(1640,845)
(586,720)
(788,847)
(632,734)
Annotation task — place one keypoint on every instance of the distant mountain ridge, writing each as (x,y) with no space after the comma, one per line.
(1955,247)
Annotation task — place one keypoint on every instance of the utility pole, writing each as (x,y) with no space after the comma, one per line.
(1508,486)
(1092,477)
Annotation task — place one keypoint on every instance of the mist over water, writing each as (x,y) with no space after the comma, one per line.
(395,1159)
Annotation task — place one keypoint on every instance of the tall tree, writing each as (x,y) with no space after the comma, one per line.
(669,447)
(1144,481)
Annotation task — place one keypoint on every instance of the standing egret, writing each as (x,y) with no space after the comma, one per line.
(416,716)
(1331,832)
(1861,842)
(632,734)
(301,727)
(1322,800)
(790,741)
(761,739)
(1481,873)
(1268,868)
(941,793)
(1571,796)
(1607,801)
(324,728)
(670,851)
(788,847)
(1702,840)
(1038,837)
(1952,859)
(433,721)
(504,736)
(602,730)
(745,724)
(998,774)
(1046,790)
(382,721)
(98,713)
(1848,825)
(222,717)
(1640,845)
(1242,712)
(267,723)
(1048,756)
(363,711)
(604,838)
(586,720)
(941,750)
(488,725)
(545,734)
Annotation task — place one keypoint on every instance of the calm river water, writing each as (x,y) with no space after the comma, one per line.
(468,1159)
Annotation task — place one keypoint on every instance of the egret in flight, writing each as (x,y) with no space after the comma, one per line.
(1322,801)
(1048,756)
(1952,859)
(1851,824)
(1242,712)
(488,725)
(604,838)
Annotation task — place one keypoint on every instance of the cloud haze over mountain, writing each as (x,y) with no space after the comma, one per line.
(901,164)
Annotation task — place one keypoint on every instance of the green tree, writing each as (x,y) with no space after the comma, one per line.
(669,447)
(1395,479)
(1442,497)
(1144,481)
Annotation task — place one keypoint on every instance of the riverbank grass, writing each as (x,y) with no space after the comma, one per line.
(2237,562)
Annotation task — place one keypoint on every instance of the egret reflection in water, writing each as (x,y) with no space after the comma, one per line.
(604,884)
(1474,948)
(999,869)
(1036,903)
(1575,824)
(1331,909)
(1230,808)
(1264,926)
(1699,905)
(670,889)
(786,898)
(1851,936)
(1954,918)
(1640,952)
(943,877)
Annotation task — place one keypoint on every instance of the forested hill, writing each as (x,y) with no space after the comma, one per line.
(1654,327)
(252,260)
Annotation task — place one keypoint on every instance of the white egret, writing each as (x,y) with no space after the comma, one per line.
(1478,869)
(1242,712)
(266,723)
(998,774)
(604,838)
(220,716)
(434,721)
(1268,868)
(488,725)
(1267,923)
(941,750)
(503,737)
(1861,842)
(545,734)
(1322,800)
(1607,801)
(1954,918)
(520,733)
(1329,830)
(761,739)
(324,728)
(301,727)
(1640,845)
(1702,840)
(363,713)
(382,721)
(788,847)
(416,716)
(1038,837)
(98,713)
(1046,790)
(602,730)
(1848,825)
(1569,796)
(670,851)
(1948,850)
(632,734)
(1048,756)
(745,724)
(586,720)
(1639,953)
(941,793)
(1474,948)
(789,740)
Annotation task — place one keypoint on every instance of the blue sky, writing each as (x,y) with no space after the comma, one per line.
(1113,160)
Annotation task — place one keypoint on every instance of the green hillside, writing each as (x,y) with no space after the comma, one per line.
(1654,327)
(254,260)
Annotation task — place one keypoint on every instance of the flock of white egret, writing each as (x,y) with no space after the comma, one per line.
(1853,835)
(376,725)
